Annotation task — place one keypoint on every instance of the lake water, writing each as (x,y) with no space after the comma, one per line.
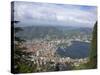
(76,50)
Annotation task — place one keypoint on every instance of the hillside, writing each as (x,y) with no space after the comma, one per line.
(37,32)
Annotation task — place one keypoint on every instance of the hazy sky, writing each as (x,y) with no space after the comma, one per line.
(30,13)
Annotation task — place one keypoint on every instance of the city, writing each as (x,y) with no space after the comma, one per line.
(44,51)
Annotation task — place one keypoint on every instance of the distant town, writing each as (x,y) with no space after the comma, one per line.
(44,50)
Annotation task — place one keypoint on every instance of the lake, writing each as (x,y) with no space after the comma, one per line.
(76,50)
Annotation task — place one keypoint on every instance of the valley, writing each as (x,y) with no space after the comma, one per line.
(56,46)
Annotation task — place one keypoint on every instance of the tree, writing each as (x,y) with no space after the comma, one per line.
(57,67)
(20,62)
(93,51)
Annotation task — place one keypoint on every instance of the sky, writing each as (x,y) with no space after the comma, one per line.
(33,13)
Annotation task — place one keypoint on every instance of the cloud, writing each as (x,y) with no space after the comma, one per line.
(31,13)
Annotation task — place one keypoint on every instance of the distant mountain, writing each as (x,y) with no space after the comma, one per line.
(39,32)
(31,32)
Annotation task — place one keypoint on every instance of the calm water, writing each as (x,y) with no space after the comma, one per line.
(76,50)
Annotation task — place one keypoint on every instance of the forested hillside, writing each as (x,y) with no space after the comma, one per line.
(93,52)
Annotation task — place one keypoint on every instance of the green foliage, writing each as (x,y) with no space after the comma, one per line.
(93,51)
(82,66)
(27,67)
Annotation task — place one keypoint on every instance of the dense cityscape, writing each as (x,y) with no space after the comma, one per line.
(44,51)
